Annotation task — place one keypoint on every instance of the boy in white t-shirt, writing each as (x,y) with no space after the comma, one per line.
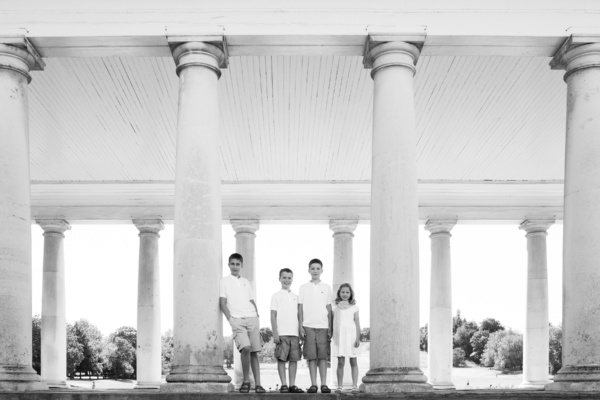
(284,322)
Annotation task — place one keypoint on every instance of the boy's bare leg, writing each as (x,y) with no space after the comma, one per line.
(281,370)
(323,371)
(312,369)
(340,371)
(354,366)
(255,367)
(293,368)
(245,358)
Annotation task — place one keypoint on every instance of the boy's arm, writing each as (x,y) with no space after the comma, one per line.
(274,326)
(301,320)
(330,320)
(256,308)
(357,323)
(224,308)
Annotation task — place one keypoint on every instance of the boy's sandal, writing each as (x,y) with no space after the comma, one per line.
(259,389)
(296,389)
(325,389)
(312,389)
(339,389)
(355,390)
(284,389)
(245,388)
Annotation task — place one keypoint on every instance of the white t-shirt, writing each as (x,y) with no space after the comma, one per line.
(285,302)
(238,293)
(314,299)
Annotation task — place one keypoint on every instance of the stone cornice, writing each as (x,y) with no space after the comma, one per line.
(579,51)
(17,54)
(57,226)
(149,226)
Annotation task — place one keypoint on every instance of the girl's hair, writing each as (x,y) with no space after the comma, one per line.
(350,299)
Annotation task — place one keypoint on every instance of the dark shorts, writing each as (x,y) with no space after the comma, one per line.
(316,344)
(288,349)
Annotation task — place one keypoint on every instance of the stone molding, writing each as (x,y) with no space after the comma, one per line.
(149,226)
(536,225)
(392,54)
(199,54)
(245,226)
(343,226)
(54,226)
(578,52)
(440,225)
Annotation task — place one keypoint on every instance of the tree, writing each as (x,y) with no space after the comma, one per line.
(424,338)
(504,350)
(74,351)
(491,325)
(555,348)
(478,342)
(266,333)
(458,357)
(36,343)
(457,322)
(228,351)
(167,346)
(462,339)
(365,334)
(118,357)
(90,338)
(267,355)
(128,334)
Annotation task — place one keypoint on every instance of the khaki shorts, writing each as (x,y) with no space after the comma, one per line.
(316,346)
(288,349)
(246,333)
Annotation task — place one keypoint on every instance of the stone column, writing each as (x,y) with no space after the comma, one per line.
(394,362)
(581,240)
(536,337)
(439,352)
(148,352)
(343,271)
(198,264)
(245,235)
(16,373)
(54,321)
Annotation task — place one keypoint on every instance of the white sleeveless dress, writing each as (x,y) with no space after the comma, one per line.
(344,332)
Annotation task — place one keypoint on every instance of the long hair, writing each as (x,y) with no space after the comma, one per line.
(350,299)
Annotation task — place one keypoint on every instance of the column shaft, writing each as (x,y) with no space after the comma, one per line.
(54,321)
(394,358)
(16,373)
(148,352)
(581,248)
(197,327)
(439,352)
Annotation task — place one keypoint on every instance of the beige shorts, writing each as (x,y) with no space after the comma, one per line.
(246,333)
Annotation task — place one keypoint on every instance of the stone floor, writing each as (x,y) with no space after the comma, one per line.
(155,395)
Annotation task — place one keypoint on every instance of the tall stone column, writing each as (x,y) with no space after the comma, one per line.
(394,362)
(54,320)
(439,351)
(343,267)
(536,338)
(148,352)
(581,246)
(245,235)
(197,269)
(16,373)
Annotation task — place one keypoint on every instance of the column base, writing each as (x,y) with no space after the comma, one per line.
(196,387)
(57,384)
(443,386)
(391,380)
(197,378)
(576,378)
(147,385)
(20,379)
(534,385)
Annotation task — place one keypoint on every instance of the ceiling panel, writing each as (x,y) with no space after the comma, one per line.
(297,118)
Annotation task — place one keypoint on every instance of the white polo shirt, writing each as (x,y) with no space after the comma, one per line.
(238,292)
(314,299)
(285,302)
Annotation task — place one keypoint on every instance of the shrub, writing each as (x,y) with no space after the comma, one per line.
(267,355)
(228,350)
(504,350)
(478,342)
(458,357)
(424,341)
(555,349)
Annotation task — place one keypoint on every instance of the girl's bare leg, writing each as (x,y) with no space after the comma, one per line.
(354,366)
(340,371)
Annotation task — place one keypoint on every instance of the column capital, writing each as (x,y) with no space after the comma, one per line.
(343,225)
(17,54)
(578,52)
(440,225)
(149,225)
(245,225)
(536,225)
(209,55)
(389,54)
(59,226)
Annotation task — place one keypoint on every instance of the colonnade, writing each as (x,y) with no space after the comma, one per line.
(197,325)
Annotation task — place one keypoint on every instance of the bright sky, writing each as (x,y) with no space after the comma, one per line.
(489,270)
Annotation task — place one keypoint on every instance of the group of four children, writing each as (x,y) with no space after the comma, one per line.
(307,317)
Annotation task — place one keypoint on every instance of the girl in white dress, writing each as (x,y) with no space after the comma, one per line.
(346,334)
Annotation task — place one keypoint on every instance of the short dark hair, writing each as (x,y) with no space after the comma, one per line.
(282,270)
(315,261)
(236,256)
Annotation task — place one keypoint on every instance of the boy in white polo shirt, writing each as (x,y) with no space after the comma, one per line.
(316,322)
(284,322)
(237,303)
